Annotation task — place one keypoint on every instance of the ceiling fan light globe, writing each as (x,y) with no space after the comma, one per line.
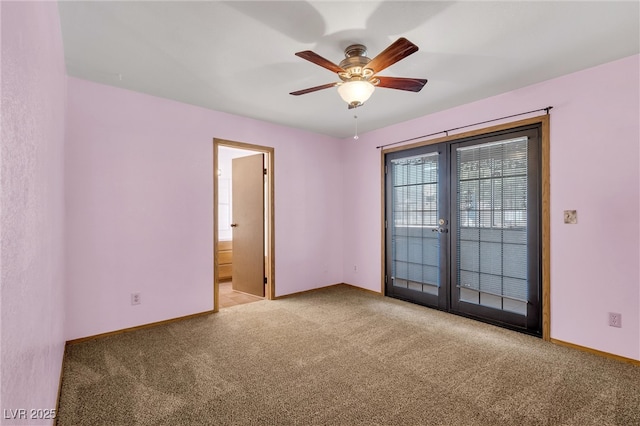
(355,92)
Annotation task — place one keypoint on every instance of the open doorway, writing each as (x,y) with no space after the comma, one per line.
(243,222)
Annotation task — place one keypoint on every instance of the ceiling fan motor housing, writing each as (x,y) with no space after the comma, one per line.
(354,64)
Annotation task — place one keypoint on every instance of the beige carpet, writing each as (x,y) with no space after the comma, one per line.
(340,356)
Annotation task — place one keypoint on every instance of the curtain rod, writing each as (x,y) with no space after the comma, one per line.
(547,109)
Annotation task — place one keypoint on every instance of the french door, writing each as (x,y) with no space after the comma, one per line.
(463,227)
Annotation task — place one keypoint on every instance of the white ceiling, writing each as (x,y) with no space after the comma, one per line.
(238,57)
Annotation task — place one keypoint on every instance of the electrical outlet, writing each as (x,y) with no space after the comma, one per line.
(136,298)
(615,320)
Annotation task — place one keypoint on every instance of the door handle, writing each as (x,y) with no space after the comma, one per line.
(233,225)
(441,229)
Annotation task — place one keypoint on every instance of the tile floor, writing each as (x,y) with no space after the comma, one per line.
(229,297)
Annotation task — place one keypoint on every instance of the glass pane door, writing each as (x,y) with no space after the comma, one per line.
(463,227)
(415,236)
(495,272)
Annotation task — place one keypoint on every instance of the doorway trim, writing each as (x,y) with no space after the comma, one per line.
(269,212)
(543,120)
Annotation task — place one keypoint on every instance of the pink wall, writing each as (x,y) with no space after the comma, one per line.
(139,173)
(32,200)
(595,139)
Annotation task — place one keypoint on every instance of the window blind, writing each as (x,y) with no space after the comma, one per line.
(415,249)
(492,224)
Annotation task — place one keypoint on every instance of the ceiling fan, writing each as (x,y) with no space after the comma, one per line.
(358,74)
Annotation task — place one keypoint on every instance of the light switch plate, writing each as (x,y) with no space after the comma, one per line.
(571,217)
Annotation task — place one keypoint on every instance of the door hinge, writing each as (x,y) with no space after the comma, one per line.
(385,279)
(265,171)
(265,280)
(385,224)
(386,169)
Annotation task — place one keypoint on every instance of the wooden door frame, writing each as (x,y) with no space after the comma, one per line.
(269,212)
(545,215)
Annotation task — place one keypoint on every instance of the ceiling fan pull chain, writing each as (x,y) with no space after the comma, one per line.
(356,135)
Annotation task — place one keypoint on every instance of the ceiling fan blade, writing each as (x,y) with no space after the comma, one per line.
(409,84)
(313,89)
(398,50)
(319,60)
